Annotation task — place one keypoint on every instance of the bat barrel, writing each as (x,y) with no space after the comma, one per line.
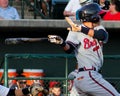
(23,40)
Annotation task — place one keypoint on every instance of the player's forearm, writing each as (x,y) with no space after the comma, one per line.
(98,34)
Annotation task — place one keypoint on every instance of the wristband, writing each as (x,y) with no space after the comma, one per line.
(84,30)
(25,91)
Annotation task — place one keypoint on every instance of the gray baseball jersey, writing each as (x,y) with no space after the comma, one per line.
(89,53)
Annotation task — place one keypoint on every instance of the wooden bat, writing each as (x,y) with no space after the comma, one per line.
(23,40)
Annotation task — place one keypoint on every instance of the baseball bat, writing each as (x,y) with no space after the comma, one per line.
(23,40)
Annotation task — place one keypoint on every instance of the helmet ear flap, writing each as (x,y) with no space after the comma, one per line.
(95,18)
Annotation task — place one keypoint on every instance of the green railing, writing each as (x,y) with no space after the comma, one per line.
(36,11)
(65,56)
(26,56)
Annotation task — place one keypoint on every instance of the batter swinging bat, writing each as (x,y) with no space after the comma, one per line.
(23,40)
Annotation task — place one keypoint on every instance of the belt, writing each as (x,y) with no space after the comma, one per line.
(85,69)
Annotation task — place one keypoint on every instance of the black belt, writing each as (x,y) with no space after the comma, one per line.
(84,69)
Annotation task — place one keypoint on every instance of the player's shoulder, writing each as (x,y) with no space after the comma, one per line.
(99,27)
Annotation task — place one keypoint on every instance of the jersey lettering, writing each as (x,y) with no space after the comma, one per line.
(88,44)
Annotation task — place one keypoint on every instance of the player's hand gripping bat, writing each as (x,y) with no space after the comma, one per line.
(23,40)
(74,27)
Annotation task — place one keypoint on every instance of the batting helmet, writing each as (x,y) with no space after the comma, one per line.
(90,13)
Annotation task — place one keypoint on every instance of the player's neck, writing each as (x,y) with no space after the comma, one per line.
(88,24)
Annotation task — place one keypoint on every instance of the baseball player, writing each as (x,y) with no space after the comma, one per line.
(34,90)
(87,46)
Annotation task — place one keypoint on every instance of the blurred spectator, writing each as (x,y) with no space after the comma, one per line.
(8,12)
(51,84)
(20,83)
(104,4)
(41,5)
(31,3)
(57,8)
(44,6)
(114,11)
(55,89)
(23,84)
(71,8)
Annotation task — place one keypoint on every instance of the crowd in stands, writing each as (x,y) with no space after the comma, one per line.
(42,5)
(104,4)
(52,87)
(114,11)
(110,8)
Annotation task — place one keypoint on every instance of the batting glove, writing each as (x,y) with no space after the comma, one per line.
(55,39)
